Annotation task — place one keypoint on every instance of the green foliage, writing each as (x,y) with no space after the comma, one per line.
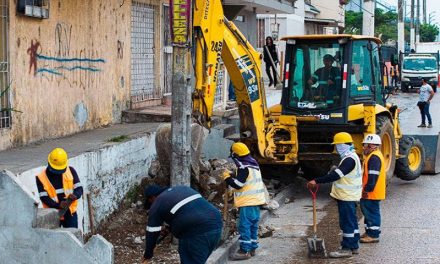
(120,138)
(3,93)
(132,194)
(428,32)
(385,24)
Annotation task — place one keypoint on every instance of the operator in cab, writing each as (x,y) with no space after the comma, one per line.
(327,78)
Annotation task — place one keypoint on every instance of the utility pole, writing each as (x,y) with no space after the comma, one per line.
(411,26)
(368,18)
(418,22)
(424,12)
(401,26)
(181,106)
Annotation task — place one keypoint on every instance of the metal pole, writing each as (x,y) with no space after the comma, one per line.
(181,23)
(411,26)
(418,23)
(424,12)
(401,27)
(368,18)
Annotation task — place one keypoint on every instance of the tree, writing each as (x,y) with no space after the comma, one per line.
(385,23)
(428,32)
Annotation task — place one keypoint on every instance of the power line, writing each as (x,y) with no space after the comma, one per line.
(353,2)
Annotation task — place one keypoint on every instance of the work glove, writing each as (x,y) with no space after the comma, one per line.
(226,174)
(364,195)
(63,205)
(311,184)
(73,197)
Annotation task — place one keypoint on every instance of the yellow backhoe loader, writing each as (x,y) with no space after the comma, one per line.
(348,95)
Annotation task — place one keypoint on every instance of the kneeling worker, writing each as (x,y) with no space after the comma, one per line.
(59,187)
(192,219)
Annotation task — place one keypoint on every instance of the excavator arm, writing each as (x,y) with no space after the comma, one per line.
(218,39)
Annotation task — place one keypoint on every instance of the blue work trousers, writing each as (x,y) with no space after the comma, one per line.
(70,220)
(371,211)
(424,111)
(248,227)
(198,248)
(348,224)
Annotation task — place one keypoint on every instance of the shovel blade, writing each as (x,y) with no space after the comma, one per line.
(316,248)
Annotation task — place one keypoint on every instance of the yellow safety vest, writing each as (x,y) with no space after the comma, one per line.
(51,191)
(349,187)
(252,193)
(379,190)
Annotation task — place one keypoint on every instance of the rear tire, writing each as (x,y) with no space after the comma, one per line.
(410,167)
(385,130)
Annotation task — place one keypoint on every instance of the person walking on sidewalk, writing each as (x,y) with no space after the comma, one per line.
(192,219)
(59,187)
(272,48)
(347,190)
(249,194)
(426,93)
(373,190)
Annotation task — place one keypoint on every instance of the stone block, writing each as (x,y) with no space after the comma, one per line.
(47,218)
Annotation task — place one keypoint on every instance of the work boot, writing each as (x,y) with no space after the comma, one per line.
(429,126)
(253,253)
(369,239)
(341,253)
(364,235)
(421,125)
(355,251)
(241,255)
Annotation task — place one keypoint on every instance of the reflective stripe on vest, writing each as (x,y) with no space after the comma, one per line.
(378,192)
(53,193)
(183,202)
(252,193)
(349,187)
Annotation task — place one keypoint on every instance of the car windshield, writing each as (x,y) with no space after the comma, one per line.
(316,81)
(419,64)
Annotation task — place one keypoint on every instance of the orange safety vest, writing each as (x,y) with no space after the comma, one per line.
(67,186)
(379,190)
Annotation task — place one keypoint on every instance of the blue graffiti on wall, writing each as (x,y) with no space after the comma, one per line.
(69,64)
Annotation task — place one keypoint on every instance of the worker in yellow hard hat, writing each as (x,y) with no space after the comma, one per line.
(59,187)
(347,190)
(249,194)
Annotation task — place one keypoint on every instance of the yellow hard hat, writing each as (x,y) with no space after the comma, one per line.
(58,159)
(240,149)
(342,138)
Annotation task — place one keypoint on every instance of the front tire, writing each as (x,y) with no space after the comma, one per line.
(410,167)
(385,130)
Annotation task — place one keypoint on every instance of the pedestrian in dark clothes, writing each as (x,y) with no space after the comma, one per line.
(273,79)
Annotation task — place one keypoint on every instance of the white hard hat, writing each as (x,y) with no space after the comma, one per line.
(372,139)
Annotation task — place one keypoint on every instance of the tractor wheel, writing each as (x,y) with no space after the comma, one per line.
(411,165)
(315,169)
(384,128)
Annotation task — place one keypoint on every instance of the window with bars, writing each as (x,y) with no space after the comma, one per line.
(33,8)
(5,108)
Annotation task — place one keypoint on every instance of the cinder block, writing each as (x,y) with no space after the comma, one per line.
(47,218)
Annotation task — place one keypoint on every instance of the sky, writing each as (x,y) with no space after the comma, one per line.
(432,7)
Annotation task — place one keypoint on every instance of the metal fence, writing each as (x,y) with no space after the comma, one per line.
(142,52)
(5,112)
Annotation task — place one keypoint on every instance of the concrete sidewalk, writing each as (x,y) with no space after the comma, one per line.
(34,155)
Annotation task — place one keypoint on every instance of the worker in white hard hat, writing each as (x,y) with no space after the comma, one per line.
(373,187)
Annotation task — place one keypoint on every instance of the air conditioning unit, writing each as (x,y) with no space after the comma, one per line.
(33,8)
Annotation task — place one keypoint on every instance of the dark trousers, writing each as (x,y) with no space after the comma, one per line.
(197,249)
(248,227)
(272,79)
(348,224)
(424,111)
(70,220)
(371,211)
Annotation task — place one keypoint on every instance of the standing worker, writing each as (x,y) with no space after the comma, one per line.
(266,56)
(426,93)
(192,219)
(393,73)
(374,184)
(249,194)
(59,187)
(347,190)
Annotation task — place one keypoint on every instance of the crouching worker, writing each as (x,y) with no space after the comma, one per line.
(192,219)
(59,187)
(347,190)
(248,196)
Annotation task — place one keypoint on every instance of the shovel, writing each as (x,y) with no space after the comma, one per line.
(316,245)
